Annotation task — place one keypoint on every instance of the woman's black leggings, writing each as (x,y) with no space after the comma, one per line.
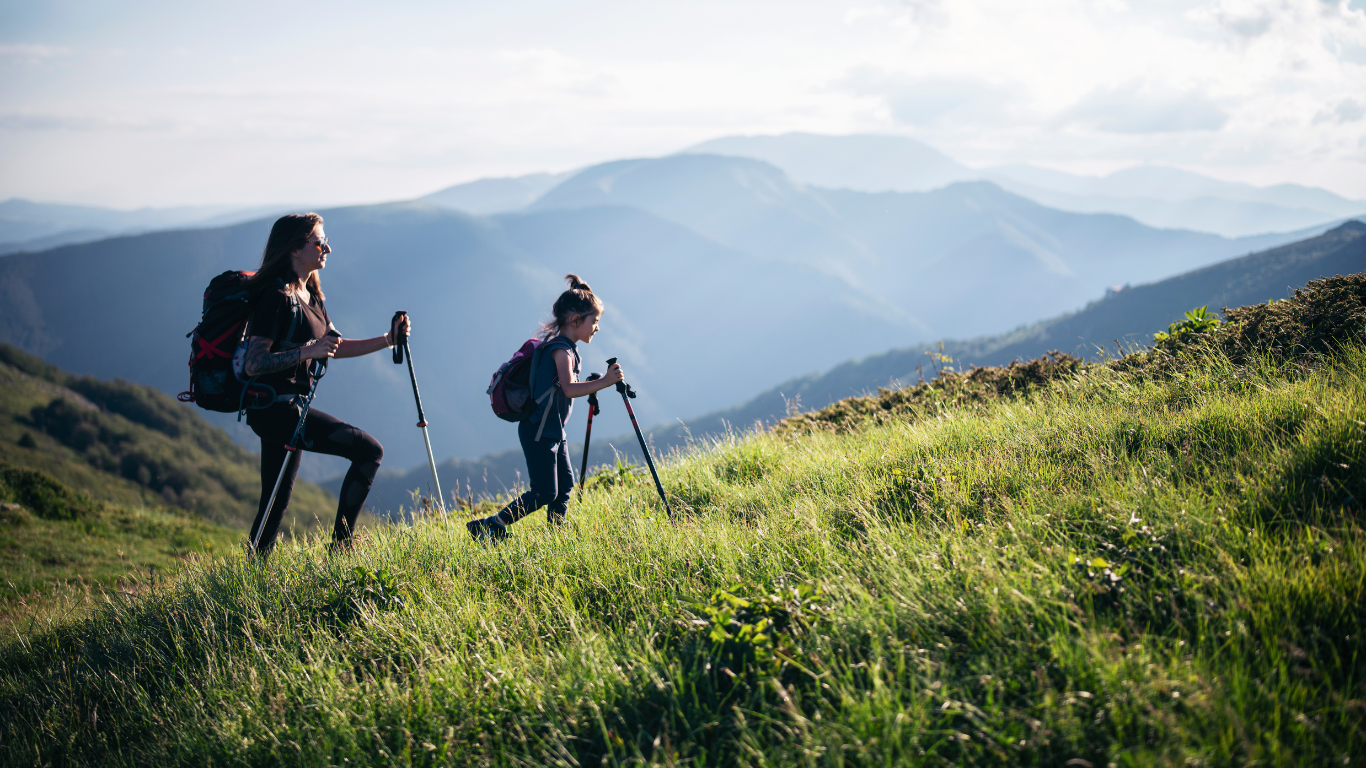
(275,426)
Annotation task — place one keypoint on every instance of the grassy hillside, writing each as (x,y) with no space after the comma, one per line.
(132,445)
(1158,561)
(53,537)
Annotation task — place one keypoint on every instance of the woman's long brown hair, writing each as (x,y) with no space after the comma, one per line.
(289,234)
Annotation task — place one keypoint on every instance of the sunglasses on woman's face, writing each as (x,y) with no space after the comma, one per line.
(321,243)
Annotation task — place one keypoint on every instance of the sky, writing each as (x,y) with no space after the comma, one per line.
(140,103)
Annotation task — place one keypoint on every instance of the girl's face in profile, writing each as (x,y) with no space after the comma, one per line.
(584,328)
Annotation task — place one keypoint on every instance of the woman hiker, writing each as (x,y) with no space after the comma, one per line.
(288,328)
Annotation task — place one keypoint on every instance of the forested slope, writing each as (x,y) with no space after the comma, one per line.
(131,444)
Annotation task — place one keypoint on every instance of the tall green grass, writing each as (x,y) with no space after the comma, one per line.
(1108,571)
(64,542)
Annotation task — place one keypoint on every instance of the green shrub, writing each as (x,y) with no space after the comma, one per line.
(753,630)
(1198,320)
(363,587)
(43,495)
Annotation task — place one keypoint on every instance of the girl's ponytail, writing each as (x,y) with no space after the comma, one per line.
(578,300)
(576,283)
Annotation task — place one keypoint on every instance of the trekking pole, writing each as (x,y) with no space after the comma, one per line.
(588,433)
(319,367)
(400,349)
(626,394)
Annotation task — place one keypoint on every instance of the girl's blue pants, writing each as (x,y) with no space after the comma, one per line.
(550,475)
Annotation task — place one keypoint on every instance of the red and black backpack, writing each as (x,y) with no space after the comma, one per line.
(217,346)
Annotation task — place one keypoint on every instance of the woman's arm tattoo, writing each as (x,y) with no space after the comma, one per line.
(259,360)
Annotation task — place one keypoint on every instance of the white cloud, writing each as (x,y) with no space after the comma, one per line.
(1333,19)
(1139,108)
(929,101)
(1346,111)
(374,104)
(33,51)
(858,13)
(37,121)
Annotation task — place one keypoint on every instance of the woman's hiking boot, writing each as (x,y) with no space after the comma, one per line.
(487,529)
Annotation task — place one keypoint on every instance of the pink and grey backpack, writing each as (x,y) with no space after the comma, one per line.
(510,390)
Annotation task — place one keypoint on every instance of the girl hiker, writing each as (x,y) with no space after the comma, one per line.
(288,328)
(576,315)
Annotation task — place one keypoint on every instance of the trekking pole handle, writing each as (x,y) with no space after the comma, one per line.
(398,337)
(622,386)
(593,396)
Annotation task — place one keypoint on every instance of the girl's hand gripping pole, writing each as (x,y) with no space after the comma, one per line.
(626,394)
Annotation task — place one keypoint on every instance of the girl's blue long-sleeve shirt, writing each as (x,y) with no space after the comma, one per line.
(546,375)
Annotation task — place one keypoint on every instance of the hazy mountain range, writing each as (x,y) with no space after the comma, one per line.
(1130,316)
(1154,195)
(1158,196)
(489,196)
(722,276)
(963,260)
(29,226)
(699,326)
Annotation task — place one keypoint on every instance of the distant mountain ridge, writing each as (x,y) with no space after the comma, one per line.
(1173,185)
(484,197)
(1130,316)
(971,251)
(864,163)
(721,275)
(1158,196)
(26,225)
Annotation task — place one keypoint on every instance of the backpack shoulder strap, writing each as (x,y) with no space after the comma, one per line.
(535,363)
(547,395)
(295,310)
(548,347)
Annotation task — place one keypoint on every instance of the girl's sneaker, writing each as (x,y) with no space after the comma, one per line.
(487,529)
